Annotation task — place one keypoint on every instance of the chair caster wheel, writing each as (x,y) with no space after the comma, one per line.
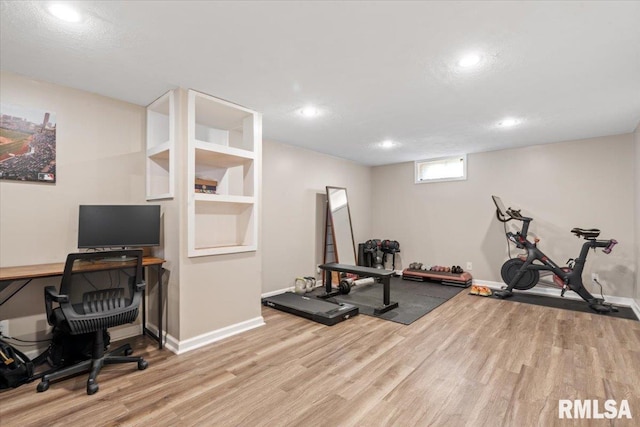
(43,386)
(92,388)
(142,364)
(128,352)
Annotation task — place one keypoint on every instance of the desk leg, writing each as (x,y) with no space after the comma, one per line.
(158,337)
(6,284)
(144,311)
(160,334)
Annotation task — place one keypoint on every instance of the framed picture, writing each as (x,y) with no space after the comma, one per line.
(27,144)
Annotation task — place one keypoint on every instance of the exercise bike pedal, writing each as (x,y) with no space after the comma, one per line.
(603,307)
(502,294)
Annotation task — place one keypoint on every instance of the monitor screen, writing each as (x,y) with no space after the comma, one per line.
(499,205)
(109,226)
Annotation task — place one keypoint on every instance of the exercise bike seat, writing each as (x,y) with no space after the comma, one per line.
(587,233)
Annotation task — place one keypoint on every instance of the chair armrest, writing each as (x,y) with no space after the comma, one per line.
(141,286)
(51,294)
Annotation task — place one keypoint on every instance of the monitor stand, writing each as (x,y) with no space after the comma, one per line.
(122,258)
(118,259)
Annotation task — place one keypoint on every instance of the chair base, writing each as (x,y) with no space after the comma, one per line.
(93,366)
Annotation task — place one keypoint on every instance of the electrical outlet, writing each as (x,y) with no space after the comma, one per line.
(469,265)
(4,328)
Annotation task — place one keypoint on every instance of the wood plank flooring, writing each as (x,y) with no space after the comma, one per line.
(471,362)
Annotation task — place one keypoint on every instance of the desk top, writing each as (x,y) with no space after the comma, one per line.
(57,268)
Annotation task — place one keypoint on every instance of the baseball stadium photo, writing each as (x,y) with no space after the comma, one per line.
(27,144)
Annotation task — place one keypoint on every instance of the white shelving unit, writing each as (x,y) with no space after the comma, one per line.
(224,145)
(161,148)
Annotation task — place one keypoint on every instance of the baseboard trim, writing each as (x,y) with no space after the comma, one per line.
(289,289)
(555,292)
(180,347)
(278,292)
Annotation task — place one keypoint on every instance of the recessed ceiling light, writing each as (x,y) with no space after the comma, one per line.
(508,122)
(309,111)
(64,12)
(469,60)
(388,144)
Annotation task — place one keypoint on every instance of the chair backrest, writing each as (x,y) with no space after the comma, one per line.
(104,289)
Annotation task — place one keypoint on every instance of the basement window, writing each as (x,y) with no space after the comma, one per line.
(443,169)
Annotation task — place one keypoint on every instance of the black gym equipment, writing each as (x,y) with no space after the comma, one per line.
(523,273)
(374,275)
(373,253)
(325,312)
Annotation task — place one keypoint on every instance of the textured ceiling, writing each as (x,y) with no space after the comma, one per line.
(377,70)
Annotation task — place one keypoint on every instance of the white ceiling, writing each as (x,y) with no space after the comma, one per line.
(378,70)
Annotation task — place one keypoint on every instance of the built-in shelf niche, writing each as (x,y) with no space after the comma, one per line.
(160,149)
(224,141)
(223,227)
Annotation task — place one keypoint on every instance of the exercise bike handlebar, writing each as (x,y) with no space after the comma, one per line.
(610,246)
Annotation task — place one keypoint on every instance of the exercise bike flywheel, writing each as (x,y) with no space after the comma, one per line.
(528,279)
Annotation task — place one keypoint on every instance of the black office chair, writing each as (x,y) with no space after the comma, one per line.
(96,293)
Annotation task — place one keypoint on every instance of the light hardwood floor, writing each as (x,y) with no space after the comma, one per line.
(473,361)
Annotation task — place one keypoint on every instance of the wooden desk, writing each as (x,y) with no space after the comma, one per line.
(10,275)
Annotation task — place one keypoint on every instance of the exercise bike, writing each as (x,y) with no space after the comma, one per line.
(523,272)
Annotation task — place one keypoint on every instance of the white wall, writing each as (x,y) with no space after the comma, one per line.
(100,160)
(292,179)
(587,183)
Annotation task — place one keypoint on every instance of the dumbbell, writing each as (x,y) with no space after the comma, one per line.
(345,285)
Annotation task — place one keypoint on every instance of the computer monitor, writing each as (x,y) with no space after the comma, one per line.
(118,226)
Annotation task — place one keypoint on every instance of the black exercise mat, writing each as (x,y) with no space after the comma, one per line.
(567,304)
(415,299)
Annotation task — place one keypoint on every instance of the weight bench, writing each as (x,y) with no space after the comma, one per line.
(382,276)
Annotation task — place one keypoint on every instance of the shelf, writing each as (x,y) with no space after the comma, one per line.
(160,196)
(216,155)
(221,250)
(161,151)
(223,198)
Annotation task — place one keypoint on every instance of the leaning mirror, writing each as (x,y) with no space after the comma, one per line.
(340,219)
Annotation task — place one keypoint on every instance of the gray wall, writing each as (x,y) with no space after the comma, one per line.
(100,160)
(292,180)
(587,183)
(637,215)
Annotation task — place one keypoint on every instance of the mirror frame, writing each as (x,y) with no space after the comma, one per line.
(333,230)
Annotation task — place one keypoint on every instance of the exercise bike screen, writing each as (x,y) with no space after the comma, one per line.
(498,202)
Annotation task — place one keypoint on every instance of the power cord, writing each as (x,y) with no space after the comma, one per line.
(504,224)
(607,304)
(27,343)
(601,291)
